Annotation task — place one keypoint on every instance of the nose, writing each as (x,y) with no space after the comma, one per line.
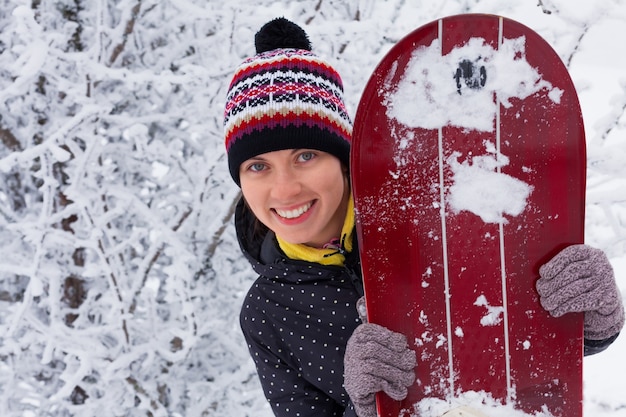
(286,185)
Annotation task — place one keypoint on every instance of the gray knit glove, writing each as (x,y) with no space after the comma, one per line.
(377,359)
(580,279)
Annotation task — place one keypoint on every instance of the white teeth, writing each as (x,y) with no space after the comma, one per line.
(292,214)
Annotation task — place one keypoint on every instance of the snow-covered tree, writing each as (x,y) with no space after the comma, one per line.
(112,188)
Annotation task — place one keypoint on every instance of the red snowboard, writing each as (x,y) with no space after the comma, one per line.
(468,169)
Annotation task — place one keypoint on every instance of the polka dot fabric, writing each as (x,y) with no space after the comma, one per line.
(297,318)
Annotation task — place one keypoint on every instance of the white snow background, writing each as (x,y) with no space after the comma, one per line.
(120,276)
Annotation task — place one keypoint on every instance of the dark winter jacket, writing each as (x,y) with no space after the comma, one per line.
(297,319)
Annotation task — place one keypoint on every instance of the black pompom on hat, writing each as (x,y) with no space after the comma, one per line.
(281,33)
(284,97)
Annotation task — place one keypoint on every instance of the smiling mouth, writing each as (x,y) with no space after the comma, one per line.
(292,214)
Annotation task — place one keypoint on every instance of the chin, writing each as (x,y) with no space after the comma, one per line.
(297,239)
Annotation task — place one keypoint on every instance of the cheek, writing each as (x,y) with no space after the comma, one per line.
(334,182)
(252,197)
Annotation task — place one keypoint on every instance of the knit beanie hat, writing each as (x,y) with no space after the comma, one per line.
(284,97)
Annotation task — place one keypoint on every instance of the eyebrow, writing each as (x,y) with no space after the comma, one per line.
(293,151)
(256,158)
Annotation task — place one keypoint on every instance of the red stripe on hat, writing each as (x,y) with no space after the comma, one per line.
(291,118)
(286,60)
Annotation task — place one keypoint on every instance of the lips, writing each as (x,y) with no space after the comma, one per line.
(293,213)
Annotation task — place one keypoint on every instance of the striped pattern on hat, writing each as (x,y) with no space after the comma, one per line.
(285,99)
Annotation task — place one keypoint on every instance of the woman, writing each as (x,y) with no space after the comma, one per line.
(287,136)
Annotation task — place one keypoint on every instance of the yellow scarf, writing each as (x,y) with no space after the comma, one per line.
(329,256)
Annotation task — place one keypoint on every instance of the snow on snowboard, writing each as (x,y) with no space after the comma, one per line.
(468,171)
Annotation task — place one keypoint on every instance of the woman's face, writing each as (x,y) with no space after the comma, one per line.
(300,194)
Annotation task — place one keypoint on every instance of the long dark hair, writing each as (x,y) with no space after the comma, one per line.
(257,230)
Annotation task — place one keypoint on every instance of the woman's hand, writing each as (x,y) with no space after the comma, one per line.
(377,359)
(580,279)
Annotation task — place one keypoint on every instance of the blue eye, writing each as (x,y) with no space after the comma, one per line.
(256,167)
(307,156)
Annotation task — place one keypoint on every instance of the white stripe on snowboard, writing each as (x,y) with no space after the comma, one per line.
(507,350)
(505,304)
(444,240)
